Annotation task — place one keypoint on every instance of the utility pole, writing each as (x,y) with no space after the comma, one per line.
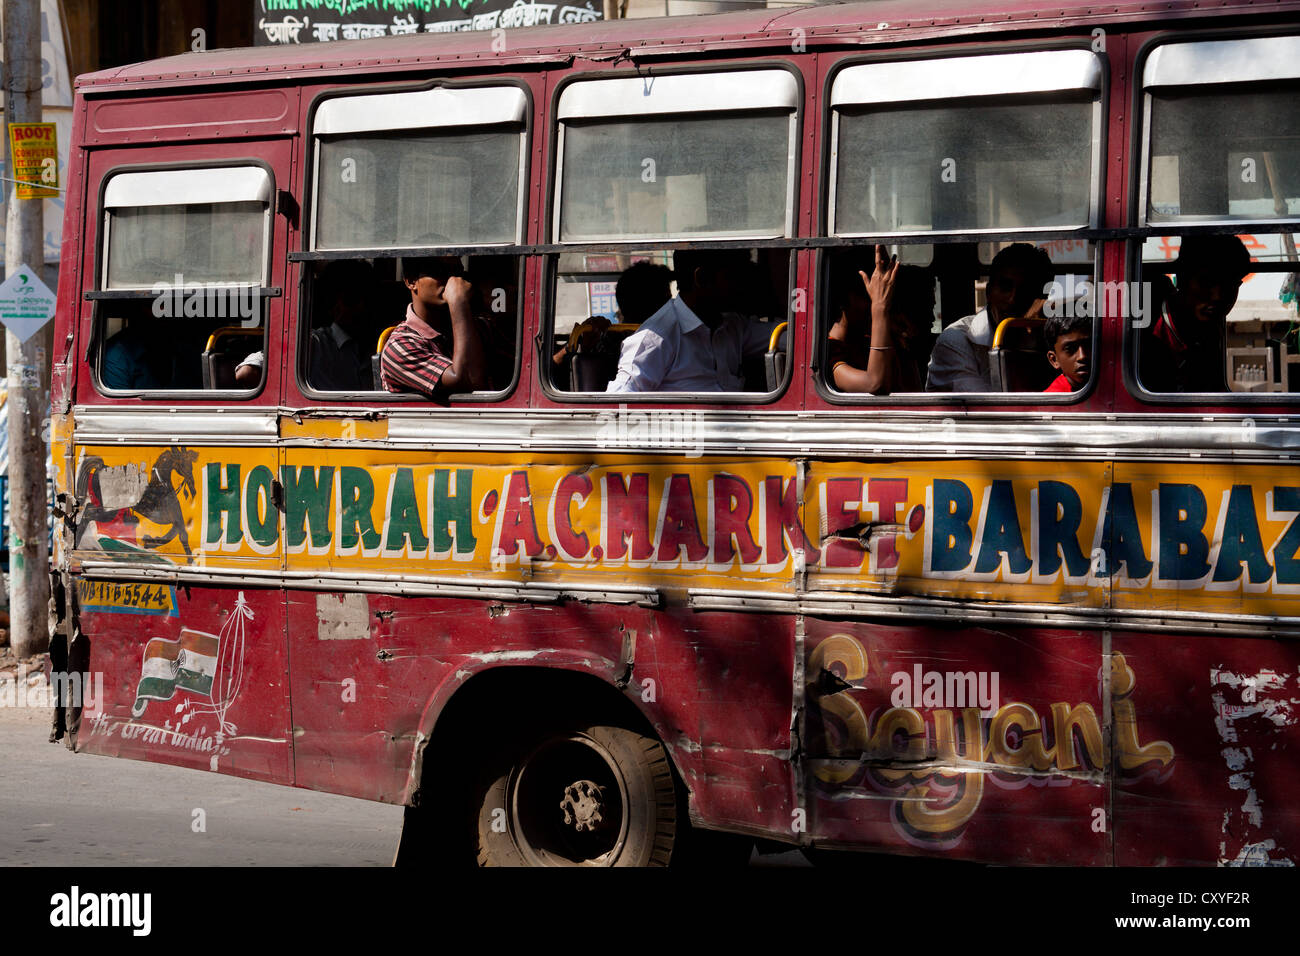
(29,365)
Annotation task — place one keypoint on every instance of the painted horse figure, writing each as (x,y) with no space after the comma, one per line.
(116,497)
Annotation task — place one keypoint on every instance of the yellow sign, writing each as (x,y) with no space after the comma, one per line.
(36,159)
(1091,535)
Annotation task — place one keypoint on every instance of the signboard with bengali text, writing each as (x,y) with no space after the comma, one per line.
(281,22)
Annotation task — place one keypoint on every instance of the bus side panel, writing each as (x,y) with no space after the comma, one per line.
(192,676)
(740,684)
(1227,706)
(900,757)
(372,672)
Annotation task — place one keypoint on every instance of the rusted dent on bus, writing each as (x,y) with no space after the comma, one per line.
(628,656)
(866,533)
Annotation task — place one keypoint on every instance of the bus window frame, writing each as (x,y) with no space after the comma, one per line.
(308,233)
(822,321)
(99,295)
(1137,185)
(551,203)
(830,141)
(793,153)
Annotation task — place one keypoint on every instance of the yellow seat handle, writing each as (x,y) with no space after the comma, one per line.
(1010,323)
(776,336)
(227,331)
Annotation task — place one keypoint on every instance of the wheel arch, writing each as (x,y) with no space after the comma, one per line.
(489,698)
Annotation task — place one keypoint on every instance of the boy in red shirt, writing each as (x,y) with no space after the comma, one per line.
(1069,350)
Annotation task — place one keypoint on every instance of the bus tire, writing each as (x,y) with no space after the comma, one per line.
(597,795)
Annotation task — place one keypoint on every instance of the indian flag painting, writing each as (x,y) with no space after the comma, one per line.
(187,664)
(205,665)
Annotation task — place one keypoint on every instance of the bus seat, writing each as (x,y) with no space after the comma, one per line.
(1018,358)
(376,381)
(226,348)
(776,359)
(593,371)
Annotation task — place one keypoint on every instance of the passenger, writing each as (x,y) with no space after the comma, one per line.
(1069,350)
(1017,280)
(339,353)
(248,373)
(693,343)
(883,316)
(437,350)
(640,292)
(1183,349)
(135,357)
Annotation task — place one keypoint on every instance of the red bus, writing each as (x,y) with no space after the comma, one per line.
(872,587)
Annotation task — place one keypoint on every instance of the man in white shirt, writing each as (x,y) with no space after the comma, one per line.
(960,359)
(691,344)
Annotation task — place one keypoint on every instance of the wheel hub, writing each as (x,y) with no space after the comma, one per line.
(583,805)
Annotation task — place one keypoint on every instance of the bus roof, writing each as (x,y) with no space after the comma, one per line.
(860,22)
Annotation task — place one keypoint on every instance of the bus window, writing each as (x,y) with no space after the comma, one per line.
(700,157)
(185,256)
(355,304)
(1219,312)
(936,150)
(424,169)
(602,300)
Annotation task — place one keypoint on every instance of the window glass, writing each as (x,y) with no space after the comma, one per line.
(964,167)
(684,176)
(203,242)
(1223,154)
(458,187)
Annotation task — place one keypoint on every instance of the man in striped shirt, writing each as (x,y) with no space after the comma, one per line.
(437,350)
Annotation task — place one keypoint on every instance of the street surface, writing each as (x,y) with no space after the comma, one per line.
(66,809)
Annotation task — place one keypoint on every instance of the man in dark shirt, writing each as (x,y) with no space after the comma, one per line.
(1182,349)
(339,353)
(437,350)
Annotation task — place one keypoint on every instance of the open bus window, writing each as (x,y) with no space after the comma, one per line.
(1218,312)
(949,299)
(603,300)
(185,257)
(423,169)
(707,156)
(357,304)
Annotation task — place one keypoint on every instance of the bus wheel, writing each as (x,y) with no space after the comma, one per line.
(595,796)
